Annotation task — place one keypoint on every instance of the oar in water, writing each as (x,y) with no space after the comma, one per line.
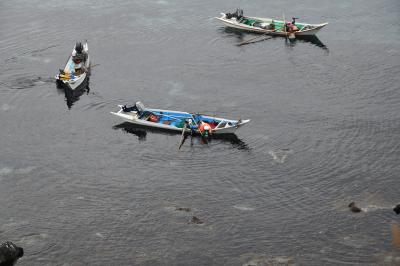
(252,40)
(183,135)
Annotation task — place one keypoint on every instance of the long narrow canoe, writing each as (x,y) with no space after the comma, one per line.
(267,25)
(76,70)
(175,120)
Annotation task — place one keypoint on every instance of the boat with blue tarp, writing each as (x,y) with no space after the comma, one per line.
(176,120)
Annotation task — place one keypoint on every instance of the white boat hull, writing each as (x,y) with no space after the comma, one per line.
(132,117)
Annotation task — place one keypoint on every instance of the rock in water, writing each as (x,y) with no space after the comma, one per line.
(397,209)
(196,220)
(185,209)
(10,253)
(354,208)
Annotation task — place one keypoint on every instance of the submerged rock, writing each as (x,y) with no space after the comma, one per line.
(397,209)
(353,207)
(185,209)
(196,220)
(10,253)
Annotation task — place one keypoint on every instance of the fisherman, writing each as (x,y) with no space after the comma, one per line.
(205,129)
(291,27)
(191,125)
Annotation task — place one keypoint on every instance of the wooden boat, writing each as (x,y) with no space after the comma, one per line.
(175,120)
(268,25)
(76,71)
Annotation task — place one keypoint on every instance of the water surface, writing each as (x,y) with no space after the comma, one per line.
(78,187)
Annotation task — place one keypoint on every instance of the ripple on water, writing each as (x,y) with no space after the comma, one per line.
(22,171)
(25,81)
(253,259)
(280,155)
(243,208)
(33,240)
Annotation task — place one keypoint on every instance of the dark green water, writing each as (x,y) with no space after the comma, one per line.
(79,188)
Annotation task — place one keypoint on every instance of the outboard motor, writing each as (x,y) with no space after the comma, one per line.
(132,108)
(229,15)
(78,47)
(238,14)
(140,107)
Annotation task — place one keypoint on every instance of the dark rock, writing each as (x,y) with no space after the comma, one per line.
(10,253)
(196,220)
(185,209)
(397,209)
(354,208)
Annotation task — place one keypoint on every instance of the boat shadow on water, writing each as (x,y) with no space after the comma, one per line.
(241,36)
(72,96)
(309,39)
(141,133)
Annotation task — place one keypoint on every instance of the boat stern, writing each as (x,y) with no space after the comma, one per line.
(128,116)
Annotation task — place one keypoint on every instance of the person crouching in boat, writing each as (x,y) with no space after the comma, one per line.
(291,27)
(205,129)
(79,68)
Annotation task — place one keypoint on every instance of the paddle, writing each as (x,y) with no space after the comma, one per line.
(252,40)
(183,135)
(284,25)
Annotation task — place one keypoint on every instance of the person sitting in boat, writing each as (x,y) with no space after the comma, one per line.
(205,129)
(79,69)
